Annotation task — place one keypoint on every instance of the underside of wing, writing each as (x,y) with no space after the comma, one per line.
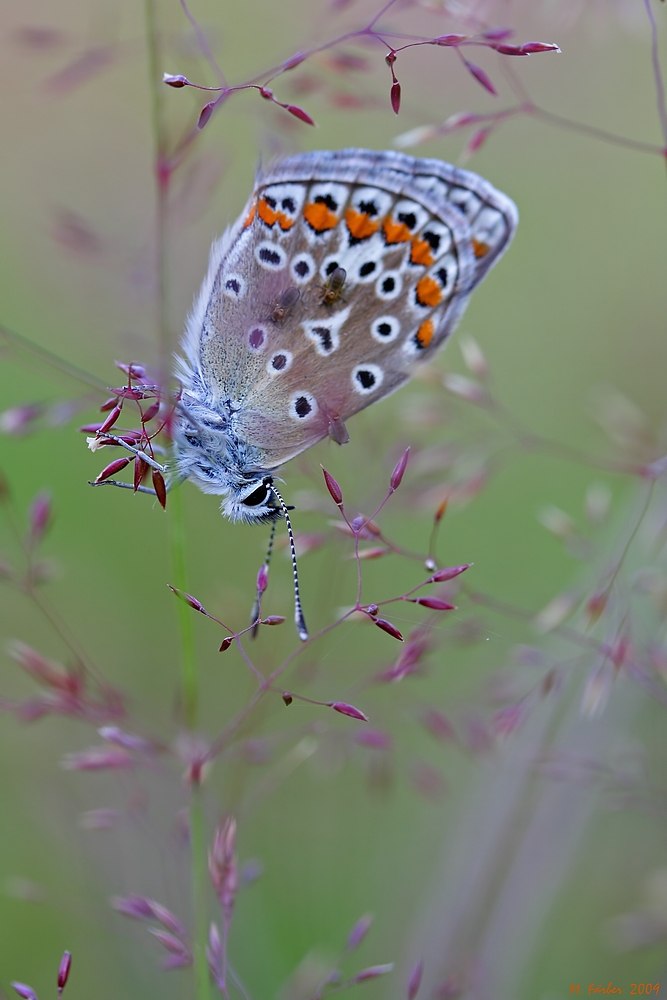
(346,270)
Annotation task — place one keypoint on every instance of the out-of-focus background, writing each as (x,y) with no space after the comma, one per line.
(578,304)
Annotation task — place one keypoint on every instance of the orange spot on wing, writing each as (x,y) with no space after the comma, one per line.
(270,216)
(360,224)
(319,217)
(250,216)
(396,232)
(266,213)
(421,252)
(424,334)
(428,292)
(480,249)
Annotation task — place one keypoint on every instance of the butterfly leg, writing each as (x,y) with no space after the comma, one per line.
(138,452)
(256,612)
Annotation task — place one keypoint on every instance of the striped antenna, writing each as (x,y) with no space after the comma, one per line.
(298,613)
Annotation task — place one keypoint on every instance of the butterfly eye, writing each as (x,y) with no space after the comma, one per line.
(257,497)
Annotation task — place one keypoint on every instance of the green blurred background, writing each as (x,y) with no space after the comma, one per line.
(578,302)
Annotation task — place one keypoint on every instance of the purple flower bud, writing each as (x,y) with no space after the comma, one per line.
(414,982)
(359,932)
(287,698)
(345,709)
(225,644)
(273,620)
(63,971)
(397,474)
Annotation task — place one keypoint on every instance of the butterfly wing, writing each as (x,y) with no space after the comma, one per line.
(296,351)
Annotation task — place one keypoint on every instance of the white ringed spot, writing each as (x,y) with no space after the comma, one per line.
(389,285)
(257,335)
(234,286)
(303,406)
(302,268)
(279,362)
(270,255)
(385,329)
(366,378)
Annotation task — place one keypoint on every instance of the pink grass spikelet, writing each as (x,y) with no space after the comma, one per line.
(273,620)
(63,971)
(372,972)
(399,470)
(434,603)
(438,725)
(222,865)
(176,80)
(414,980)
(483,78)
(112,468)
(40,517)
(137,907)
(388,628)
(114,414)
(262,578)
(98,759)
(299,113)
(450,572)
(225,644)
(189,600)
(24,991)
(350,710)
(375,739)
(359,932)
(160,487)
(117,736)
(334,488)
(395,97)
(205,115)
(450,40)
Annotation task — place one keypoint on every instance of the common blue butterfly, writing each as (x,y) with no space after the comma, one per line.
(344,271)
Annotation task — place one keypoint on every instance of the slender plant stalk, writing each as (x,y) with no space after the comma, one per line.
(176,519)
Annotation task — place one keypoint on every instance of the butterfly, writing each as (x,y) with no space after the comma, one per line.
(344,272)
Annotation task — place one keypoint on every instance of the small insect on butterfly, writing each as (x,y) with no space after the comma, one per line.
(344,272)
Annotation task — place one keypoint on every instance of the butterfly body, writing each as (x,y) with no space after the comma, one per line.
(345,271)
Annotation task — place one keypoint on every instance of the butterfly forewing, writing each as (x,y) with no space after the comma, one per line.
(345,271)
